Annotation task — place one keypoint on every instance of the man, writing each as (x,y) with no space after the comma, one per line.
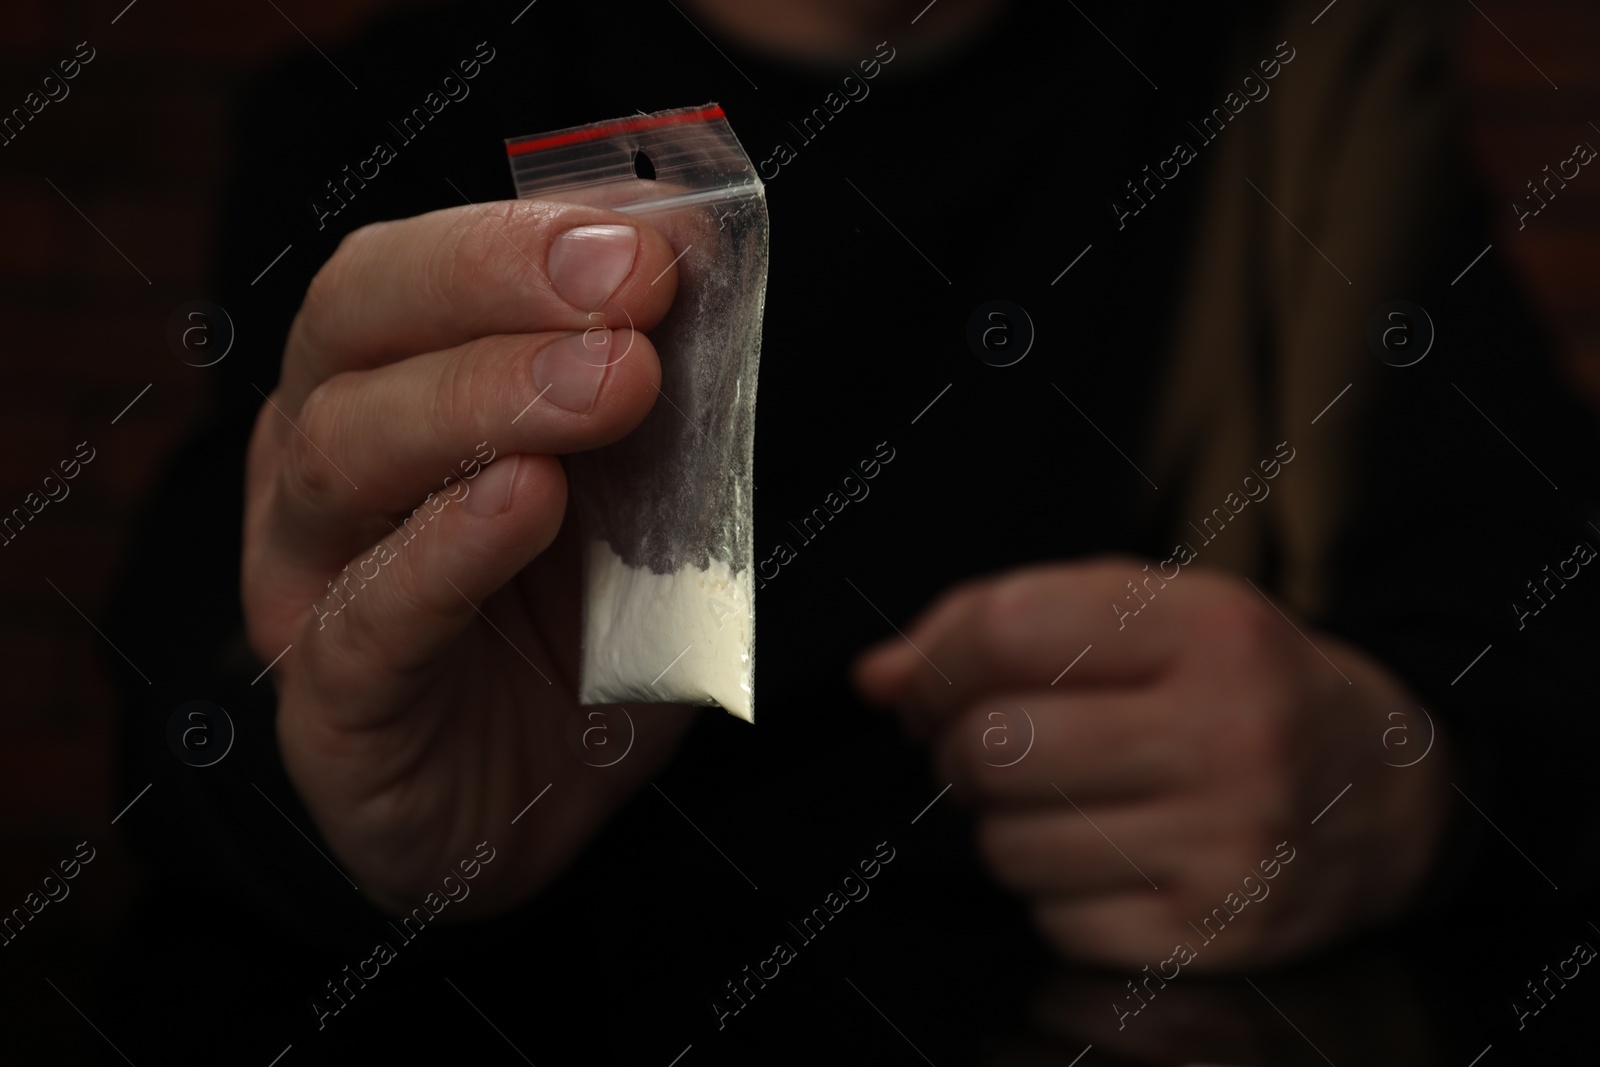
(1201,239)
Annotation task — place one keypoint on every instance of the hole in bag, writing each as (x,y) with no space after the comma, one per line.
(642,167)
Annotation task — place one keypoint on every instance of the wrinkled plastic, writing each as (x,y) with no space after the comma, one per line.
(666,511)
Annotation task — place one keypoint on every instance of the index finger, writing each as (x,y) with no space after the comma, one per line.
(395,289)
(1038,627)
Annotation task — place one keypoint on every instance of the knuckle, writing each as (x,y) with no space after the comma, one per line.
(998,739)
(504,239)
(466,389)
(980,751)
(1239,625)
(407,591)
(1253,740)
(361,641)
(472,241)
(307,469)
(1255,732)
(1005,618)
(366,636)
(323,298)
(321,295)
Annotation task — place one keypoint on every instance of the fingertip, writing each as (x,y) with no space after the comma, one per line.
(589,263)
(647,292)
(881,673)
(520,499)
(588,389)
(635,370)
(495,487)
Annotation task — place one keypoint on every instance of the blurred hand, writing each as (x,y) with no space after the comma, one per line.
(427,696)
(1168,763)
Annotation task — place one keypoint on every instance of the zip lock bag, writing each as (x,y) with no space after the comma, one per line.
(669,597)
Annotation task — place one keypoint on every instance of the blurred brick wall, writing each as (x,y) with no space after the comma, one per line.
(139,147)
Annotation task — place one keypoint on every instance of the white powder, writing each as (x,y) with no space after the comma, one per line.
(684,638)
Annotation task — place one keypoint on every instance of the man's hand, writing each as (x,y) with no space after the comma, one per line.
(1182,754)
(403,505)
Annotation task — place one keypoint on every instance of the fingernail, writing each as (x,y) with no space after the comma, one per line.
(491,494)
(568,372)
(588,263)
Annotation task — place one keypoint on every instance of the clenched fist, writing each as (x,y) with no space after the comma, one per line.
(405,533)
(1180,760)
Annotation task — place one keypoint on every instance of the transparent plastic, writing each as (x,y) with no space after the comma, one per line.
(669,603)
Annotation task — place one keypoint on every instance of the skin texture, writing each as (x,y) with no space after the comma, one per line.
(1179,751)
(421,717)
(409,723)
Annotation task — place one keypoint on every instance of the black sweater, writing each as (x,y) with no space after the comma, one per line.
(932,193)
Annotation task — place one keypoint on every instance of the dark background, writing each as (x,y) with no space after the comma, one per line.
(141,147)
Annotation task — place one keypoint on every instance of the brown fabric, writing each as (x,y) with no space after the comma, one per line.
(1351,147)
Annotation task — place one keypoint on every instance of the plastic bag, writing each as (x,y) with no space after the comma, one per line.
(669,597)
